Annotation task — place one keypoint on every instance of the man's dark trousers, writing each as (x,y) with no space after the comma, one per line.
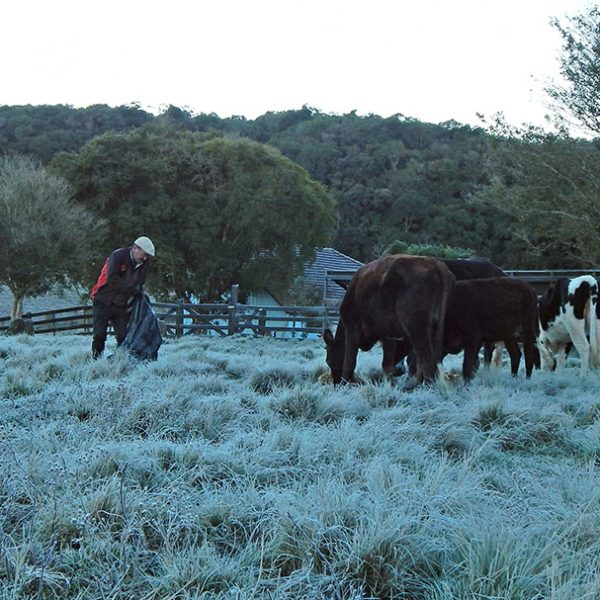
(102,315)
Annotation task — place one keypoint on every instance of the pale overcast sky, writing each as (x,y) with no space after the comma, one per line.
(434,60)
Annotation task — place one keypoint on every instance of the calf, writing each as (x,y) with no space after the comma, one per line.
(500,309)
(569,313)
(461,268)
(478,268)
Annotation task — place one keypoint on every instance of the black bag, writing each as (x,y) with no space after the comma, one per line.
(143,337)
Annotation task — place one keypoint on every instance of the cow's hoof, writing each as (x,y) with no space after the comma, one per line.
(410,384)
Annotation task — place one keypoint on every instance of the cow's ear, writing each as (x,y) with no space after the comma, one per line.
(328,337)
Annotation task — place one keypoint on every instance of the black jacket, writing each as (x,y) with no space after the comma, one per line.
(120,280)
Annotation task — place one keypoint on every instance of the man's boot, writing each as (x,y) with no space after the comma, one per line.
(97,347)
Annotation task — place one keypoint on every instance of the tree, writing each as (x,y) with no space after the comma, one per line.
(578,96)
(42,232)
(221,211)
(548,182)
(549,185)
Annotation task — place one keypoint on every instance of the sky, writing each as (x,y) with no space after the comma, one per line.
(433,60)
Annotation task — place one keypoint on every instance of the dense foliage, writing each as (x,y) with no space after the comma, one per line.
(220,210)
(43,131)
(44,235)
(392,178)
(548,185)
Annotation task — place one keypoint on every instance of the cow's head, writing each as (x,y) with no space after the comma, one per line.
(335,353)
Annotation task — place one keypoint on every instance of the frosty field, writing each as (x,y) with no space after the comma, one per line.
(226,470)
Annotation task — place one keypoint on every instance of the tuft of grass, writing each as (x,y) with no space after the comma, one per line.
(491,416)
(297,403)
(268,380)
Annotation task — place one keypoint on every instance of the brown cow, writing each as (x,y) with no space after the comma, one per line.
(396,296)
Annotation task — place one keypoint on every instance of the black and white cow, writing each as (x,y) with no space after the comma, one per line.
(569,313)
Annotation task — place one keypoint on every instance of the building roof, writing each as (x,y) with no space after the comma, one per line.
(315,278)
(316,273)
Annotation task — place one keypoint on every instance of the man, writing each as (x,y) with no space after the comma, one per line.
(120,281)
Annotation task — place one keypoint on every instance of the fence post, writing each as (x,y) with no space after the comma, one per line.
(232,309)
(324,320)
(262,322)
(231,319)
(179,318)
(87,318)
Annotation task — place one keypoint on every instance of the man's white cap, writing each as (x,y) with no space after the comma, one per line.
(145,243)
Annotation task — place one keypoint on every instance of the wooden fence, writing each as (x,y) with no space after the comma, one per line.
(227,319)
(210,319)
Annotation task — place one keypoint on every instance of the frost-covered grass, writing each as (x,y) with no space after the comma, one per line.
(226,470)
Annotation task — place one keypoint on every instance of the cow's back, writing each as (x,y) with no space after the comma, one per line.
(473,268)
(494,307)
(379,287)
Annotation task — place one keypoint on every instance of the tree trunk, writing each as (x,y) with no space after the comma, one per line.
(16,310)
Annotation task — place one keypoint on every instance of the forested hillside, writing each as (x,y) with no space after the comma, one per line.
(392,178)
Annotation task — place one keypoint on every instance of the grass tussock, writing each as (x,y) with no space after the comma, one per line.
(232,468)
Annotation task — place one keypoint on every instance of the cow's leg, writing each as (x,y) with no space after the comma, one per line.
(402,350)
(350,354)
(582,345)
(411,363)
(422,333)
(595,351)
(560,357)
(488,350)
(426,367)
(390,357)
(531,356)
(470,356)
(514,353)
(496,359)
(547,354)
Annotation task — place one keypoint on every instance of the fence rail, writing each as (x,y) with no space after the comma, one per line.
(539,279)
(212,319)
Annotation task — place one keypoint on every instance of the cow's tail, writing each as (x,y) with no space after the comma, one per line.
(593,325)
(446,283)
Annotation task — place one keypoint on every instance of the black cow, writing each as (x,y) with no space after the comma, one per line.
(396,296)
(492,310)
(476,268)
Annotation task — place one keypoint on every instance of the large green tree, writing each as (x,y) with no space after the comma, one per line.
(549,183)
(43,235)
(220,211)
(398,178)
